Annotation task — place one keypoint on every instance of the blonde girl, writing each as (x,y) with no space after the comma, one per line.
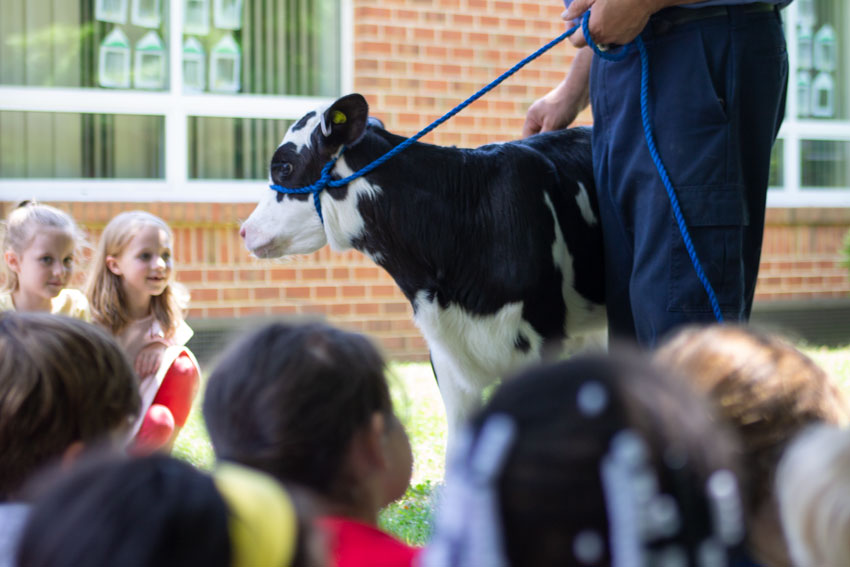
(39,246)
(134,297)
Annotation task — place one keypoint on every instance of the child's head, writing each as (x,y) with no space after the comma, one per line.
(63,384)
(157,510)
(307,403)
(765,387)
(38,247)
(813,490)
(592,461)
(133,266)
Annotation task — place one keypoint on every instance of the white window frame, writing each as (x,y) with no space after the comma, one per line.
(795,129)
(176,107)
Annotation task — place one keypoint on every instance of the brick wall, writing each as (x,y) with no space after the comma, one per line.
(801,255)
(417,59)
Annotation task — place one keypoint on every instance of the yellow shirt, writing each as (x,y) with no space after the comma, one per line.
(70,302)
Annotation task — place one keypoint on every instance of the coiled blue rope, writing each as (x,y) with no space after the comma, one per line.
(326,180)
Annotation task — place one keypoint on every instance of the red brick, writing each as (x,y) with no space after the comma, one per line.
(340,273)
(265,293)
(221,312)
(237,294)
(326,292)
(296,293)
(282,275)
(340,309)
(283,309)
(353,291)
(220,276)
(311,274)
(396,307)
(205,294)
(189,276)
(252,275)
(366,308)
(366,273)
(253,311)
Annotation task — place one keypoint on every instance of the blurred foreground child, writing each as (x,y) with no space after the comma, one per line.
(64,386)
(768,391)
(592,461)
(156,510)
(309,404)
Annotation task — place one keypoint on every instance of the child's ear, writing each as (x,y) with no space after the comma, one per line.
(12,261)
(376,439)
(71,453)
(112,265)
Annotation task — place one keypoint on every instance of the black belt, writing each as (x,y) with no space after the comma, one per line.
(668,18)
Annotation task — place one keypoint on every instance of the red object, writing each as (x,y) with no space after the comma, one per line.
(355,544)
(170,408)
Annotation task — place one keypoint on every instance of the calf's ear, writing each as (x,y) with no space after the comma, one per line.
(345,121)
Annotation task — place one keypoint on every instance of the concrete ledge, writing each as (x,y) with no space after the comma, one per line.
(816,321)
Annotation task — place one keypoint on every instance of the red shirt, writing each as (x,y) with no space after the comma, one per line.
(355,544)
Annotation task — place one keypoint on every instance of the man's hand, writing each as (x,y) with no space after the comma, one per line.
(149,359)
(613,21)
(558,108)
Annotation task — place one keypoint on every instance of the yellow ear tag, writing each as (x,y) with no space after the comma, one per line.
(338,117)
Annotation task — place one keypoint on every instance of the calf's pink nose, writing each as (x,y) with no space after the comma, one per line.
(242,232)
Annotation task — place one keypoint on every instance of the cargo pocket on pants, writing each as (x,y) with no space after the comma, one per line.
(715,217)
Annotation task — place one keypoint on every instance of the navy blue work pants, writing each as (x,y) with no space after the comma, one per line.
(716,101)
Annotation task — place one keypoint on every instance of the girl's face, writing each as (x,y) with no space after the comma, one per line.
(145,265)
(44,267)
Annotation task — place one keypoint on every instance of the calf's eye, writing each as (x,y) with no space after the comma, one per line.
(281,170)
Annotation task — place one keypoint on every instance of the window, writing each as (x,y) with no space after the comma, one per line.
(168,99)
(810,165)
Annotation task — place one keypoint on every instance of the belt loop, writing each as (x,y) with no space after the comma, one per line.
(737,14)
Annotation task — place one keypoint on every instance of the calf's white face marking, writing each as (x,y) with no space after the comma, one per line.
(291,226)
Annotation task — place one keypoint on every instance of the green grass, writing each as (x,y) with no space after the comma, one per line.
(418,405)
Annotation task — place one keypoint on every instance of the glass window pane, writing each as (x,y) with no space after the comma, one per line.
(825,164)
(233,148)
(47,43)
(776,180)
(823,59)
(277,47)
(70,145)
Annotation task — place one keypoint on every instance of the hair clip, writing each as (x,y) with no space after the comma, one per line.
(592,398)
(726,511)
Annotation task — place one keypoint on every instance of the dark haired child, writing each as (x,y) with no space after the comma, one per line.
(309,404)
(64,386)
(157,510)
(592,461)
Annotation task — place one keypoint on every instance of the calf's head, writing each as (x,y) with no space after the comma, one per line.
(289,224)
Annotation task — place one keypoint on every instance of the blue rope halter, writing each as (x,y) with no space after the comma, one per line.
(326,180)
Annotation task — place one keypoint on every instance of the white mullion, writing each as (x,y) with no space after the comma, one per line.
(131,190)
(176,129)
(347,45)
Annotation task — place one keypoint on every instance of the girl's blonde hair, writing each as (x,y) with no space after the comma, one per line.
(23,224)
(105,292)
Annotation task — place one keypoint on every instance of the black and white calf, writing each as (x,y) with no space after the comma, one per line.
(497,248)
